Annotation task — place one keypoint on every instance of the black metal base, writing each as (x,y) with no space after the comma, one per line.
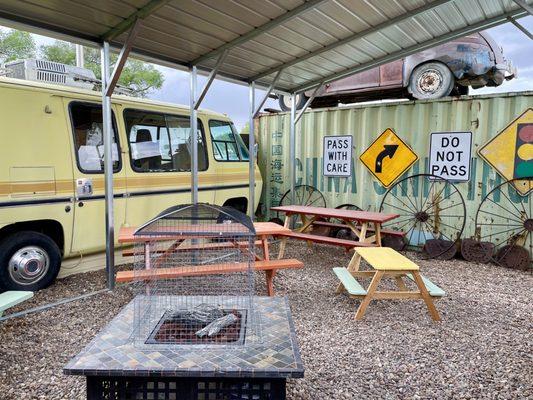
(133,388)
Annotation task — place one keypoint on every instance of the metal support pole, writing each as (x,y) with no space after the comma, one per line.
(251,151)
(108,169)
(292,147)
(194,138)
(80,62)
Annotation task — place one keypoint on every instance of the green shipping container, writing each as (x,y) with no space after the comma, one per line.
(413,121)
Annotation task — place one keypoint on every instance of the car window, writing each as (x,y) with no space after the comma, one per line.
(161,142)
(88,138)
(227,144)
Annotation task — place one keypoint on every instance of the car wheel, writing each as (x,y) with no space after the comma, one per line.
(431,81)
(285,101)
(28,261)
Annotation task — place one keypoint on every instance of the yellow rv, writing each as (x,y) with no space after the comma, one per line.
(52,180)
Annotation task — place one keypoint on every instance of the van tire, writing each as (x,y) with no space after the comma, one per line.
(432,80)
(39,255)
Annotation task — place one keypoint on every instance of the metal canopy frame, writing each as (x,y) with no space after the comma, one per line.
(15,15)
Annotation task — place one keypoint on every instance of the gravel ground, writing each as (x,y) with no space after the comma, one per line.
(482,349)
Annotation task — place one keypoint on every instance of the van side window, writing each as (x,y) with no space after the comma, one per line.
(161,143)
(88,138)
(227,143)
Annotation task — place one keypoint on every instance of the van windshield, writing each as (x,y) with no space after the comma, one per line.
(227,143)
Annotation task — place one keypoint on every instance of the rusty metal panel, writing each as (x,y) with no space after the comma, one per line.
(484,116)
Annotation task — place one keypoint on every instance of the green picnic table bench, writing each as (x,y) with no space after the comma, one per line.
(12,298)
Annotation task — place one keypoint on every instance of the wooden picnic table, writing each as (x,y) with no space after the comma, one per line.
(263,231)
(361,223)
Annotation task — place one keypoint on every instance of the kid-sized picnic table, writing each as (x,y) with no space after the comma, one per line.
(366,225)
(263,231)
(386,262)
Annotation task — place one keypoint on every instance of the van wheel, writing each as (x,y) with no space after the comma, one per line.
(28,261)
(285,101)
(431,81)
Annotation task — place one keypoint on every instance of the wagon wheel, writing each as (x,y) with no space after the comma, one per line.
(431,212)
(504,218)
(343,233)
(304,195)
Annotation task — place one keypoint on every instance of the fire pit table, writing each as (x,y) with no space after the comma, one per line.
(117,369)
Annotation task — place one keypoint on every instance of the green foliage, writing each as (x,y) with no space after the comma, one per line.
(245,129)
(16,45)
(138,76)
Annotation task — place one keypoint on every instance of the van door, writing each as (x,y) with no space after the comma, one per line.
(231,159)
(89,208)
(159,165)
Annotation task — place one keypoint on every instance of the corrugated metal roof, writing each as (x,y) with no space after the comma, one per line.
(311,41)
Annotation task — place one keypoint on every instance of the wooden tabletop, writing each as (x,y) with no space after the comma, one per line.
(350,215)
(127,234)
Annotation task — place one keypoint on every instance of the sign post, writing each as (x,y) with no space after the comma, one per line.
(450,155)
(337,156)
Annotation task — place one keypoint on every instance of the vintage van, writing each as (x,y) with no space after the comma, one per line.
(52,181)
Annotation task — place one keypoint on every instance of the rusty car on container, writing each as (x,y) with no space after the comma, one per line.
(473,61)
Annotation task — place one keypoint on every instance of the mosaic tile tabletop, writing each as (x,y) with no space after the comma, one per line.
(113,352)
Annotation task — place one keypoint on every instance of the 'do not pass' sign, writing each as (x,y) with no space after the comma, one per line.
(450,154)
(337,155)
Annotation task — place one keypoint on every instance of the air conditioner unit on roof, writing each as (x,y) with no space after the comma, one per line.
(51,72)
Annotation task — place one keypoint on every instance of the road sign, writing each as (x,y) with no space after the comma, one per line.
(511,151)
(388,157)
(337,156)
(450,154)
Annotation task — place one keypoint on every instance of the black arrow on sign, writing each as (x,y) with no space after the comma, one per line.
(388,151)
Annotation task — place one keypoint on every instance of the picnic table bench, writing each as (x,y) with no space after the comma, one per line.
(13,297)
(263,230)
(359,222)
(384,232)
(386,262)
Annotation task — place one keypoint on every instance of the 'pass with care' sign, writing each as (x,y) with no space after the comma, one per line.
(450,154)
(337,155)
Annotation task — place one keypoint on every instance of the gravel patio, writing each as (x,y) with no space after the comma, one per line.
(483,348)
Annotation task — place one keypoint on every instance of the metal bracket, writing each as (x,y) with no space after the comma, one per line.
(308,102)
(521,27)
(265,97)
(122,58)
(210,79)
(525,6)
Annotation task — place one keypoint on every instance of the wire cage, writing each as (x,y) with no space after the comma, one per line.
(193,278)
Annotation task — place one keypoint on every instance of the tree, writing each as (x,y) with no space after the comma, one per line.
(138,76)
(16,45)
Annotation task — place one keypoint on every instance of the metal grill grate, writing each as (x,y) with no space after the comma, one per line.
(193,278)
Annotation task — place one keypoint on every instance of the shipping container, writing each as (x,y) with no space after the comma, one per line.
(413,121)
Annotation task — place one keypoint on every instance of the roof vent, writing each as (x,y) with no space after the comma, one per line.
(51,72)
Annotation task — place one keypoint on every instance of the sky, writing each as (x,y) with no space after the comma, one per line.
(232,99)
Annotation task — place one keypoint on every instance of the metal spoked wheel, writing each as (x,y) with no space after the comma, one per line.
(504,218)
(304,195)
(343,233)
(432,213)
